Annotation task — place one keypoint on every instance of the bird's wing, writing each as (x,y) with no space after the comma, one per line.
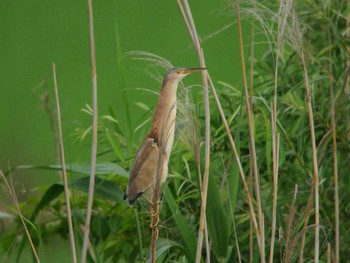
(144,169)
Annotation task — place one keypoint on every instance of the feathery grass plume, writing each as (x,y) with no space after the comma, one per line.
(155,61)
(10,191)
(188,125)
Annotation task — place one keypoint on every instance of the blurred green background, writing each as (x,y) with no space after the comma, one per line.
(34,34)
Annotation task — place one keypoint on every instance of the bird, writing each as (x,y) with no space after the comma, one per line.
(154,152)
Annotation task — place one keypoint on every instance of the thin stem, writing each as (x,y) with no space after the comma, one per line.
(251,181)
(306,222)
(275,148)
(335,164)
(94,134)
(314,158)
(251,137)
(64,171)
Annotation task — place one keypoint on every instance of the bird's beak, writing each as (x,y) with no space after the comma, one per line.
(191,70)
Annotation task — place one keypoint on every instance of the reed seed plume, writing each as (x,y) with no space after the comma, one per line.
(258,14)
(188,126)
(154,62)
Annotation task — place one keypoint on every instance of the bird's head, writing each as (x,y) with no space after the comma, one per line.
(177,74)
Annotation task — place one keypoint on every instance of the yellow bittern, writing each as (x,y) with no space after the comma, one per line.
(156,147)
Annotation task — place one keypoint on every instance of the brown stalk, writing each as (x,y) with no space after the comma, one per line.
(14,200)
(314,157)
(251,137)
(329,253)
(64,171)
(308,211)
(238,162)
(275,153)
(251,182)
(94,134)
(335,164)
(187,16)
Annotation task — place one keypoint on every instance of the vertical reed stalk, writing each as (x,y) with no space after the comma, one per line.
(64,171)
(314,157)
(154,214)
(251,245)
(306,222)
(335,164)
(329,253)
(94,133)
(187,16)
(251,137)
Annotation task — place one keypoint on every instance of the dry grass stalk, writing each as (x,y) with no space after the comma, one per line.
(308,211)
(275,153)
(335,164)
(251,244)
(13,197)
(64,171)
(314,159)
(329,253)
(238,162)
(251,137)
(188,19)
(94,134)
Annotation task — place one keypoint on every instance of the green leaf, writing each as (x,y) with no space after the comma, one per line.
(185,231)
(116,148)
(54,191)
(217,221)
(82,168)
(163,245)
(103,188)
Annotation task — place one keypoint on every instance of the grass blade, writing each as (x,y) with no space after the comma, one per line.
(186,232)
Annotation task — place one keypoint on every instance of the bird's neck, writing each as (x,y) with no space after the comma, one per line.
(165,112)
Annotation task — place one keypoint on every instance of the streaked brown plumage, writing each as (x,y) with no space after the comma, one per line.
(160,138)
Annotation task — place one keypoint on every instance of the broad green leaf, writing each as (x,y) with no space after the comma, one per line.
(82,168)
(217,220)
(103,188)
(186,232)
(50,194)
